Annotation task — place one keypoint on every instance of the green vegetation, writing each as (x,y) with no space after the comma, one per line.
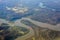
(8,32)
(44,34)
